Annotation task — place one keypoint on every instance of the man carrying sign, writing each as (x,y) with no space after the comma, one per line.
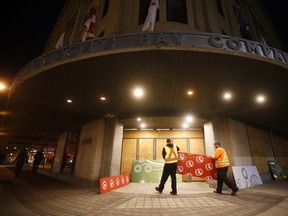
(222,163)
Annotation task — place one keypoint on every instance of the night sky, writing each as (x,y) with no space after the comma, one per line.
(279,17)
(25,30)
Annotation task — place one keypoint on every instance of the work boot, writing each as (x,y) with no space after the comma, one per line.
(234,191)
(158,189)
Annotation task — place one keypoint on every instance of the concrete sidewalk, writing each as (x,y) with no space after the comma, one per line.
(43,195)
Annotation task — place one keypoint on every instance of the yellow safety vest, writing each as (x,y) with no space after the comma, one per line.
(221,158)
(171,154)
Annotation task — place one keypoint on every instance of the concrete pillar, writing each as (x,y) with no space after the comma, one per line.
(89,155)
(212,133)
(208,138)
(112,148)
(59,153)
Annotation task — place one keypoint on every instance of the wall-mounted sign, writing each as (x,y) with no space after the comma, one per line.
(187,40)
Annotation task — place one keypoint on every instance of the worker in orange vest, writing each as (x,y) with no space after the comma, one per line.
(222,163)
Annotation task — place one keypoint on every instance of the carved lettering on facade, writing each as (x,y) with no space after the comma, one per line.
(158,39)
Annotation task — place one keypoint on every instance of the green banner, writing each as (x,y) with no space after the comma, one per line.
(149,171)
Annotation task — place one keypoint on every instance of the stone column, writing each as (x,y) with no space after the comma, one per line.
(112,148)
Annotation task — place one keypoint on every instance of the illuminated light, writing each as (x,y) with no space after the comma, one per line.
(260,99)
(4,113)
(189,118)
(143,125)
(185,125)
(138,92)
(190,92)
(69,101)
(139,119)
(103,98)
(2,86)
(227,96)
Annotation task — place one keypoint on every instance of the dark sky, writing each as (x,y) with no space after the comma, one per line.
(26,26)
(277,11)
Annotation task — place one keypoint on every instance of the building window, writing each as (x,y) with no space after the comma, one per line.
(144,7)
(106,7)
(220,7)
(176,11)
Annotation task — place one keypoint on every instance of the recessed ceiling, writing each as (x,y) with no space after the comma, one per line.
(38,105)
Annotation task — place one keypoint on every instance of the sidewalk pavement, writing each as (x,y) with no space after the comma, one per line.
(43,195)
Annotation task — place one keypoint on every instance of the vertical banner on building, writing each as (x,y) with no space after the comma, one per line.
(60,42)
(196,165)
(243,24)
(151,16)
(113,182)
(90,24)
(246,176)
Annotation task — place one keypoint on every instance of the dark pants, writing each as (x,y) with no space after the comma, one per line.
(222,178)
(35,166)
(169,170)
(18,169)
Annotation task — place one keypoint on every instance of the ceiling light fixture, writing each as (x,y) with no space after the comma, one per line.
(138,92)
(2,86)
(189,119)
(227,95)
(190,92)
(185,125)
(260,99)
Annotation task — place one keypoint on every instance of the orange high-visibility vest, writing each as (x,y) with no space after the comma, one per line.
(221,158)
(171,154)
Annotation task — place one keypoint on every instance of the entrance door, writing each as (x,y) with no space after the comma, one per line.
(147,145)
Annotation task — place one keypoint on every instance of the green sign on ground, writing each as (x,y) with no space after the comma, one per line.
(149,171)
